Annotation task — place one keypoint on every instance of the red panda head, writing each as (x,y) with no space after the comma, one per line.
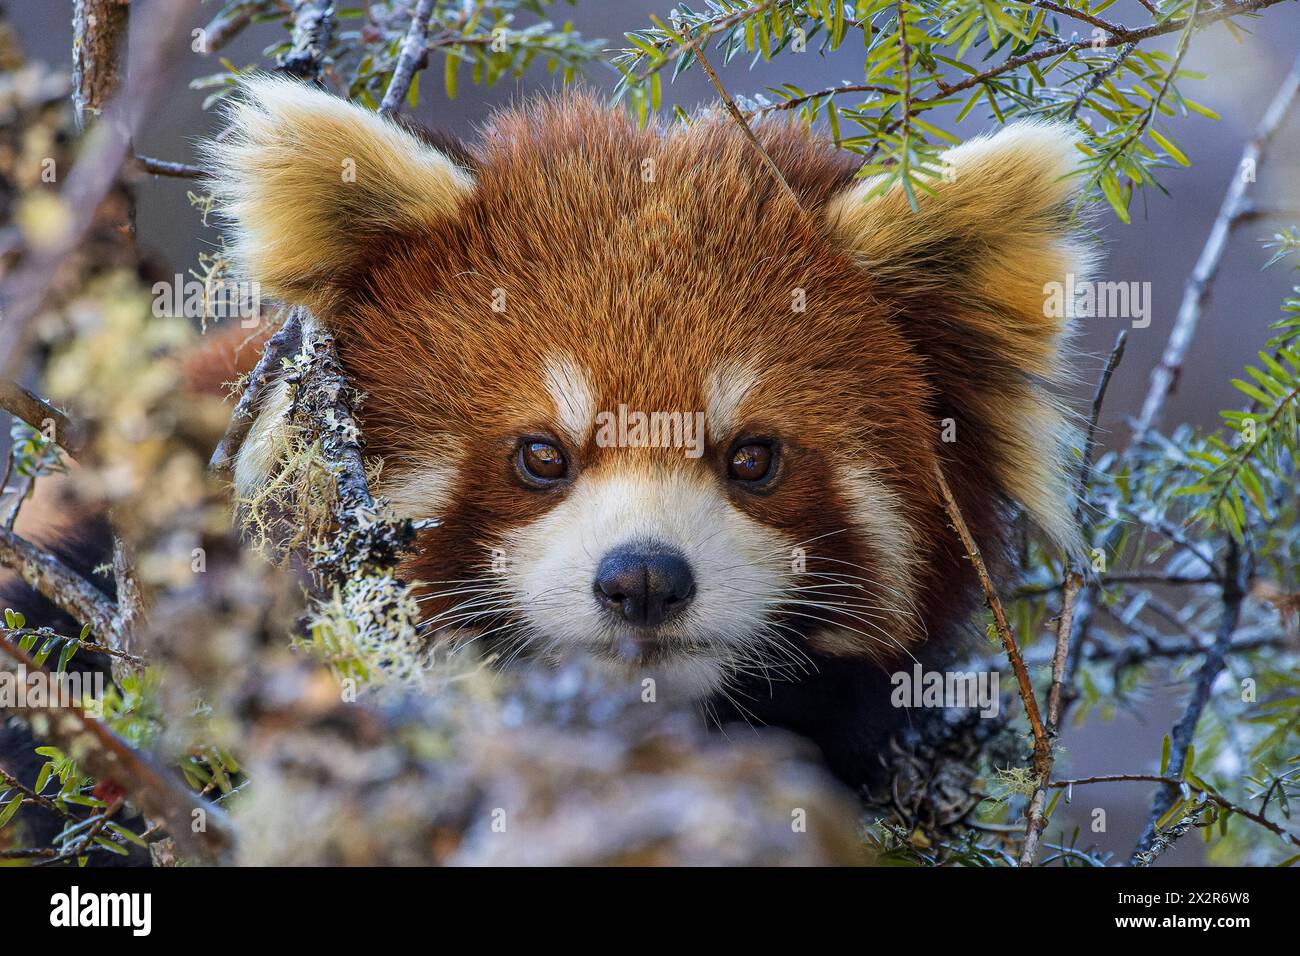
(668,416)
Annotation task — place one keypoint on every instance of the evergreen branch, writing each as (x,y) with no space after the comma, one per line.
(1172,781)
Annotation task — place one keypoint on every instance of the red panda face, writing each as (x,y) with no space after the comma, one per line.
(668,417)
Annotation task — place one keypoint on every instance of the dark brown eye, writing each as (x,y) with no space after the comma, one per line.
(542,461)
(752,462)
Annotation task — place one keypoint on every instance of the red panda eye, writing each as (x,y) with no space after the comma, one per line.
(752,462)
(542,461)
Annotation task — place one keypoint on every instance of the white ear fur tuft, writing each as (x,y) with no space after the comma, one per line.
(307,178)
(981,252)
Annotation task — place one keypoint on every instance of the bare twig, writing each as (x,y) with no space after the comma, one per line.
(313,24)
(130,608)
(1164,377)
(1034,815)
(413,51)
(38,413)
(739,117)
(1094,415)
(221,30)
(282,345)
(1080,15)
(164,167)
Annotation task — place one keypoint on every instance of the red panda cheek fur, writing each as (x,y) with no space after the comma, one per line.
(650,262)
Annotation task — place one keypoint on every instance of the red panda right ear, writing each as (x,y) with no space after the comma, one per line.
(308,180)
(967,272)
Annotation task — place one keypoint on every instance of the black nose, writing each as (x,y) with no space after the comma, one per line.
(644,584)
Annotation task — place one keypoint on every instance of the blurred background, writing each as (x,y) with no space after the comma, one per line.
(1160,246)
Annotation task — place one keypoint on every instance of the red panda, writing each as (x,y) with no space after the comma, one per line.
(673,416)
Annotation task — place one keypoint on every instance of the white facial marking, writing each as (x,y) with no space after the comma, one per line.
(739,565)
(425,491)
(724,392)
(878,511)
(575,405)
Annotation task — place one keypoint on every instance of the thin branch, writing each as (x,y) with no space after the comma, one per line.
(313,25)
(1081,15)
(1100,77)
(1120,36)
(99,31)
(1171,781)
(715,27)
(165,167)
(413,51)
(1035,822)
(999,615)
(1164,377)
(221,30)
(739,117)
(13,783)
(905,68)
(37,412)
(16,633)
(830,91)
(1094,415)
(284,344)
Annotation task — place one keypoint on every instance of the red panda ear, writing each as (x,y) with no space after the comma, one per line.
(967,274)
(307,179)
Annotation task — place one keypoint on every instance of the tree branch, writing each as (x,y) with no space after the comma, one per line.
(1164,377)
(56,581)
(413,50)
(36,412)
(999,616)
(99,30)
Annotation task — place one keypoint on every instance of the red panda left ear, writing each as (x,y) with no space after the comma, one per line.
(308,180)
(967,275)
